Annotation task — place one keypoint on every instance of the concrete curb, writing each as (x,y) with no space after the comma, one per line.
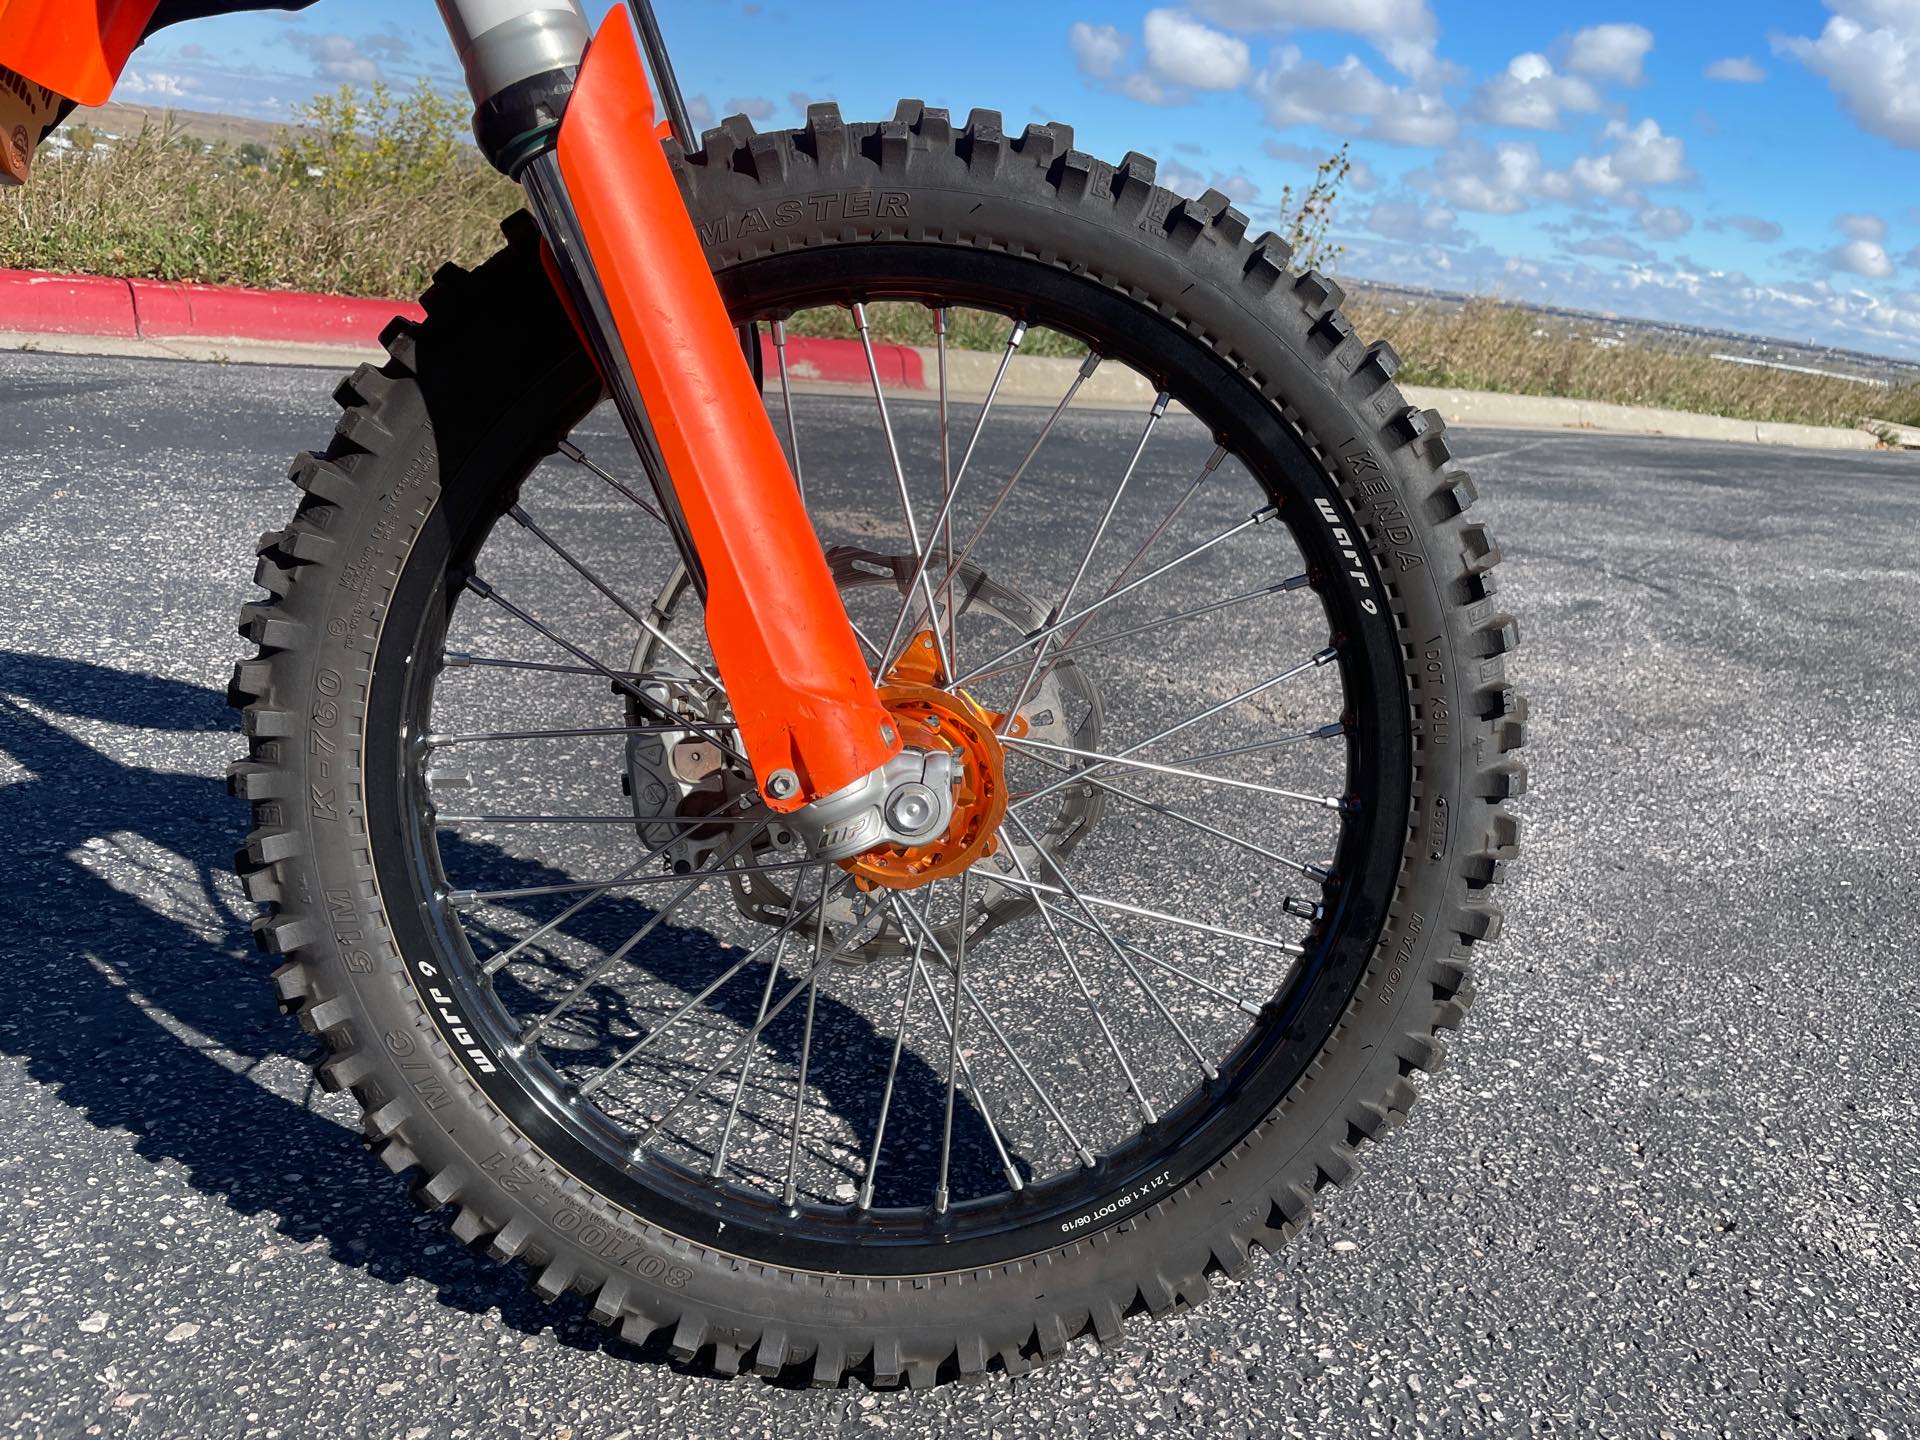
(85,305)
(211,322)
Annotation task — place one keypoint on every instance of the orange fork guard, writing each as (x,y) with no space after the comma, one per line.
(75,48)
(802,695)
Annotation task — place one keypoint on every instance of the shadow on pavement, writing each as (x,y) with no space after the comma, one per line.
(133,990)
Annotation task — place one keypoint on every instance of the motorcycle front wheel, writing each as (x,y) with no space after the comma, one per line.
(1219,660)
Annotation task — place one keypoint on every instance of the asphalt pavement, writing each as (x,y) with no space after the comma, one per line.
(1667,1185)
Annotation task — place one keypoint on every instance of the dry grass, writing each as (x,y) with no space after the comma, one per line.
(1485,345)
(375,192)
(164,207)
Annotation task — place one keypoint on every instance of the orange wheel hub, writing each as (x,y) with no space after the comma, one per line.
(934,719)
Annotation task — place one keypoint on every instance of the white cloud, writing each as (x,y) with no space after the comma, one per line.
(336,57)
(1099,50)
(1503,180)
(1610,52)
(1529,95)
(1736,69)
(1867,258)
(1406,220)
(1182,51)
(1766,232)
(1642,155)
(1405,31)
(1665,222)
(1869,53)
(157,82)
(1862,227)
(1351,100)
(1611,247)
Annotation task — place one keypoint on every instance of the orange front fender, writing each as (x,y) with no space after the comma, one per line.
(75,48)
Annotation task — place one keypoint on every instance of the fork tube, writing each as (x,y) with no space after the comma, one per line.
(580,135)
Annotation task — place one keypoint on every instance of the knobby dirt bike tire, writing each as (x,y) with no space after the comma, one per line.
(495,377)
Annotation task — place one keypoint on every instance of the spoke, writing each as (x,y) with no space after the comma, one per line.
(460,660)
(1154,417)
(906,499)
(953,1044)
(596,973)
(579,457)
(467,899)
(792,1192)
(893,1071)
(794,917)
(693,822)
(1085,1155)
(1325,802)
(526,522)
(1141,912)
(498,962)
(1086,993)
(726,1061)
(1312,872)
(1100,641)
(1325,657)
(1068,918)
(1207,1067)
(746,1069)
(947,478)
(1054,627)
(1085,373)
(786,400)
(477,737)
(950,490)
(620,679)
(1324,732)
(1213,464)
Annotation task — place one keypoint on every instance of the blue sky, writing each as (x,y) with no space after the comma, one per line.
(1749,164)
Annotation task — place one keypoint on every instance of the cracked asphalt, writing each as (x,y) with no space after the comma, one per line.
(1667,1185)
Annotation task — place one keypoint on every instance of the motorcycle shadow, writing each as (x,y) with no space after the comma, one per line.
(134,994)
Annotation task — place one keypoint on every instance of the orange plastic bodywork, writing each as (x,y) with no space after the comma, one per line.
(75,48)
(801,692)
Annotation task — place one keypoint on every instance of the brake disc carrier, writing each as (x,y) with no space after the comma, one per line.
(1065,709)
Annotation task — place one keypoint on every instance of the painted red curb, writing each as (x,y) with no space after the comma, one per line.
(844,362)
(175,312)
(35,302)
(66,305)
(42,304)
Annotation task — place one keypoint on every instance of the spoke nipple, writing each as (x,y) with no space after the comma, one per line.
(480,587)
(1019,334)
(1264,514)
(940,1200)
(1252,1009)
(1160,403)
(454,660)
(460,899)
(1089,365)
(1087,1159)
(1327,656)
(1014,1182)
(572,452)
(1295,582)
(1329,732)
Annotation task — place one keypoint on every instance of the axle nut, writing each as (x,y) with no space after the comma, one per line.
(783,785)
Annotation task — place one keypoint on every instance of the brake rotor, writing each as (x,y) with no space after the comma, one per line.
(1064,709)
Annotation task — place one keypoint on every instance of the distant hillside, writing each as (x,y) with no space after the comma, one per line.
(115,118)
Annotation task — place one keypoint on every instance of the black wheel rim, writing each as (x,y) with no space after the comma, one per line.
(1190,1135)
